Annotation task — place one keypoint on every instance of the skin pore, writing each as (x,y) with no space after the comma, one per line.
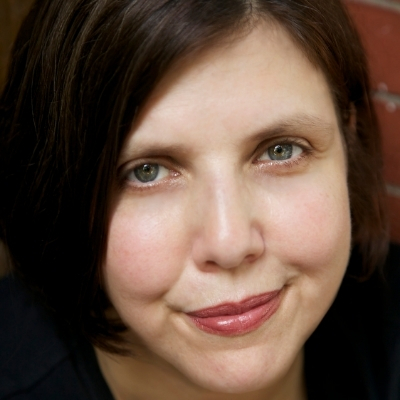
(232,184)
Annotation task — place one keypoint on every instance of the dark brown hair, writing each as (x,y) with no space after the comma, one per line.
(81,69)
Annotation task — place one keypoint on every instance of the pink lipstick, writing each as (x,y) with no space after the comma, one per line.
(233,319)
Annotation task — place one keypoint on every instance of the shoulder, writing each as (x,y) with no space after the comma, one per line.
(34,361)
(392,320)
(356,349)
(392,278)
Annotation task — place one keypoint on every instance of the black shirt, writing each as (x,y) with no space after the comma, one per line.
(354,354)
(35,361)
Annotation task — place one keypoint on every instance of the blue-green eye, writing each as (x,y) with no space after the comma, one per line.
(148,173)
(281,152)
(145,173)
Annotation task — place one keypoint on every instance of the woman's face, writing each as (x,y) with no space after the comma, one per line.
(230,233)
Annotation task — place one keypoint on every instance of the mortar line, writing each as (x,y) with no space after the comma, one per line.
(386,97)
(393,190)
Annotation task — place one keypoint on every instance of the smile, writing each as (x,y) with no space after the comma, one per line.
(234,319)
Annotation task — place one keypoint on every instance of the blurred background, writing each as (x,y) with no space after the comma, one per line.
(378,22)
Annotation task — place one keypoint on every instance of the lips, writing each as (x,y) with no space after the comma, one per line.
(233,319)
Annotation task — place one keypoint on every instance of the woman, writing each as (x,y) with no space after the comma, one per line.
(185,183)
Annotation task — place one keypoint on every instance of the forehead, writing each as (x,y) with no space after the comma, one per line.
(259,80)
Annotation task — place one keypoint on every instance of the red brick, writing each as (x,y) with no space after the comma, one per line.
(389,119)
(394,218)
(380,31)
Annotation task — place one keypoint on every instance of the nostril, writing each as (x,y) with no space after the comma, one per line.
(211,254)
(251,258)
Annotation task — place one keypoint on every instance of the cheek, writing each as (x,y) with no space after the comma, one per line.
(145,252)
(310,237)
(311,227)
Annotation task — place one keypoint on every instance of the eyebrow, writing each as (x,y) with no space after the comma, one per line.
(288,126)
(296,124)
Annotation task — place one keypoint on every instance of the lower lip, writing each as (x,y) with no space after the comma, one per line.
(235,325)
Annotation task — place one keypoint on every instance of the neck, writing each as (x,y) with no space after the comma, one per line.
(152,378)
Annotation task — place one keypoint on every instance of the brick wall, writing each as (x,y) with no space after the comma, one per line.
(378,22)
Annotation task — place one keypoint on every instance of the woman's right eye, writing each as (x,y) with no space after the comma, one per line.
(147,173)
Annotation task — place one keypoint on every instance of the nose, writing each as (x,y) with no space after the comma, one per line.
(228,235)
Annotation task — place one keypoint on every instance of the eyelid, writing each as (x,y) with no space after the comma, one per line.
(128,167)
(283,166)
(161,173)
(265,145)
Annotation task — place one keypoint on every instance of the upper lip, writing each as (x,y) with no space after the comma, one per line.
(234,308)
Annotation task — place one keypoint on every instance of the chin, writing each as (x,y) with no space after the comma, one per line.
(243,370)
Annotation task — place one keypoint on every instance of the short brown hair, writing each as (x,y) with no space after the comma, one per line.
(80,71)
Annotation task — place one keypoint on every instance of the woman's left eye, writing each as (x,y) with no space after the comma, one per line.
(281,152)
(147,173)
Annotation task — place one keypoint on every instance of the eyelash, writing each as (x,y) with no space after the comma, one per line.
(306,151)
(275,164)
(126,182)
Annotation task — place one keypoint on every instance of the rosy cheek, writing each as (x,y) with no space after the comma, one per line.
(144,254)
(311,228)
